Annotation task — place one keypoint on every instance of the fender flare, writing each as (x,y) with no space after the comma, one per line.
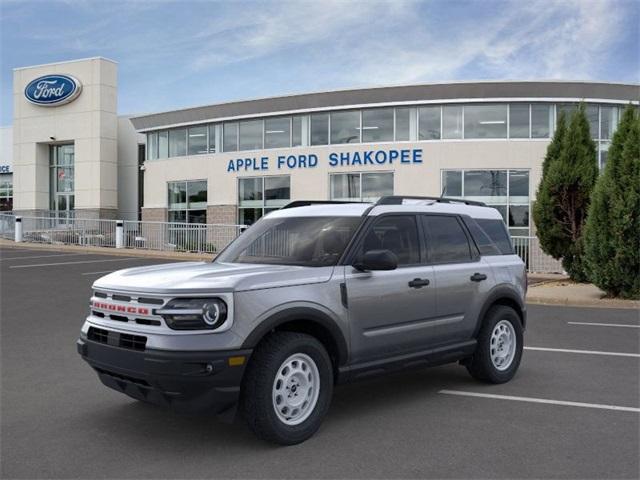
(299,313)
(495,295)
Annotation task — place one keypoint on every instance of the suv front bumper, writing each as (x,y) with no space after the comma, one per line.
(185,381)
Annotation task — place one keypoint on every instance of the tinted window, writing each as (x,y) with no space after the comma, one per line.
(447,241)
(396,233)
(481,239)
(497,232)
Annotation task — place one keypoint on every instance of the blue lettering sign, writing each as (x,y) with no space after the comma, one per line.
(53,90)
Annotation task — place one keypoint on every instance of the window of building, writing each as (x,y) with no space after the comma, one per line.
(360,187)
(519,120)
(608,121)
(178,142)
(452,121)
(403,124)
(230,137)
(61,179)
(429,123)
(345,127)
(197,140)
(508,191)
(277,132)
(188,201)
(320,129)
(212,138)
(6,192)
(377,125)
(592,113)
(446,240)
(485,121)
(152,146)
(163,144)
(251,135)
(296,131)
(541,120)
(258,196)
(397,233)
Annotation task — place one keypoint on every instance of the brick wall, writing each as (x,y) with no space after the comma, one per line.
(154,214)
(223,214)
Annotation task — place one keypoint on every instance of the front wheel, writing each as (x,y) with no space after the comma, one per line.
(499,351)
(287,388)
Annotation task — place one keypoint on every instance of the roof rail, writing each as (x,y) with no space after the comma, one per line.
(306,203)
(398,199)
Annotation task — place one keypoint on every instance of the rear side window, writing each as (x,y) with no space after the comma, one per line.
(396,233)
(497,232)
(482,240)
(446,239)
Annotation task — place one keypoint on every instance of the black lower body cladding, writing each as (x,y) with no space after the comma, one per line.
(184,381)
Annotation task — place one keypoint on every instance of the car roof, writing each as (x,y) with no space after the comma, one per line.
(358,209)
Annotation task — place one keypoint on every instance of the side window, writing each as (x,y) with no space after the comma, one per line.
(483,242)
(497,231)
(447,241)
(396,233)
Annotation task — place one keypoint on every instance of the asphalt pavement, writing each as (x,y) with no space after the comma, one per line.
(572,411)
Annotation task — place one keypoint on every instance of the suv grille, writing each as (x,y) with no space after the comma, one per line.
(122,340)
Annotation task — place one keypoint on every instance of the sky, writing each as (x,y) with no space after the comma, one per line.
(176,54)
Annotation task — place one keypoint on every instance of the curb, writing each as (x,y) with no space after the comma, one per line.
(126,252)
(572,302)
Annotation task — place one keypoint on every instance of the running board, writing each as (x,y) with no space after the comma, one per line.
(424,358)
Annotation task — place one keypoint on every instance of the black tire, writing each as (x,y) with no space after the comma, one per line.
(256,403)
(480,365)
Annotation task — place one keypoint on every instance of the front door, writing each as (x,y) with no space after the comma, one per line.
(389,311)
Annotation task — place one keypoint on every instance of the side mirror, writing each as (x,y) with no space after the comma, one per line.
(377,260)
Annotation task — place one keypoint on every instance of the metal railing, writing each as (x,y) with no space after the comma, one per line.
(528,248)
(69,231)
(7,226)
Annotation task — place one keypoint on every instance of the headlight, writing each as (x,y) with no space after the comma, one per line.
(194,313)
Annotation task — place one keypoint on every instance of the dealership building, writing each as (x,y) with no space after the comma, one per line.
(230,163)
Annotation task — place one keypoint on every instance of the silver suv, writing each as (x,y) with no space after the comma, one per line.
(313,295)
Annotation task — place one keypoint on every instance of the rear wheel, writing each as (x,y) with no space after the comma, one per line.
(287,388)
(499,351)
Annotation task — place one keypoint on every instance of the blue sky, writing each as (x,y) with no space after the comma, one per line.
(174,54)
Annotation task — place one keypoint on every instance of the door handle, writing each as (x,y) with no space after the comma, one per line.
(419,282)
(478,277)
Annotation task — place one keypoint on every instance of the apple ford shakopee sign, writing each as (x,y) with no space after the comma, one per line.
(53,90)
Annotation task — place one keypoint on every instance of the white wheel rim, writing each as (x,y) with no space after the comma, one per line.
(296,389)
(503,345)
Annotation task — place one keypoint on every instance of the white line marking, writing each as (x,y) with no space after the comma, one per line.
(96,273)
(604,324)
(41,256)
(72,263)
(589,352)
(540,400)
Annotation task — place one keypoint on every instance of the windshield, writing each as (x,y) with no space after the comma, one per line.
(305,241)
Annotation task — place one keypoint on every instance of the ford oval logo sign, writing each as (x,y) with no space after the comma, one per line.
(53,90)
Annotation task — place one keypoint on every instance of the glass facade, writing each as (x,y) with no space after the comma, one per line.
(258,196)
(6,192)
(383,124)
(360,187)
(187,201)
(508,191)
(61,179)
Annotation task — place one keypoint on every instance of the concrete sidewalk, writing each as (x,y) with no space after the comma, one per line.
(566,292)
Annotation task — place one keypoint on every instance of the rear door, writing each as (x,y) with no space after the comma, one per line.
(389,311)
(462,278)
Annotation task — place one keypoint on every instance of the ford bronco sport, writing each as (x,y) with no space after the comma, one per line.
(310,296)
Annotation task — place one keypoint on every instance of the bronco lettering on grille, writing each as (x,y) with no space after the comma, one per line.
(119,308)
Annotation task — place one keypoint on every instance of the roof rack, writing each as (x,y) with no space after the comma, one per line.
(306,203)
(398,199)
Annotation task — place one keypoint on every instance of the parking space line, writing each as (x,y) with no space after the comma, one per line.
(622,325)
(587,352)
(96,273)
(540,400)
(73,263)
(41,256)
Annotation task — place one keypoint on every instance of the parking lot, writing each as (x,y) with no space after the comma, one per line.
(572,411)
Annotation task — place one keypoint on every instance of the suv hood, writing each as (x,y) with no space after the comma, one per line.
(206,277)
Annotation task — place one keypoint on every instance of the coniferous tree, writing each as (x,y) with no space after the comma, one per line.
(612,233)
(565,190)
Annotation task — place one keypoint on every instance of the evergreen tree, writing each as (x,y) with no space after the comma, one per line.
(563,198)
(612,233)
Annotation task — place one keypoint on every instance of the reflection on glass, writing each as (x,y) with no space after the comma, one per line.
(486,183)
(277,190)
(429,123)
(212,139)
(345,186)
(178,142)
(519,215)
(248,216)
(452,183)
(250,190)
(608,122)
(177,195)
(163,144)
(277,132)
(320,129)
(485,121)
(541,120)
(296,131)
(230,137)
(403,124)
(251,135)
(152,146)
(377,125)
(452,121)
(197,194)
(376,185)
(345,127)
(519,120)
(519,185)
(197,138)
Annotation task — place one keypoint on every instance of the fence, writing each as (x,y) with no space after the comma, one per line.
(7,226)
(69,231)
(528,248)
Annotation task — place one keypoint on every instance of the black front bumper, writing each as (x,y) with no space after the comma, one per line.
(185,381)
